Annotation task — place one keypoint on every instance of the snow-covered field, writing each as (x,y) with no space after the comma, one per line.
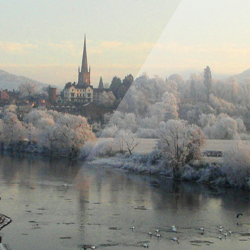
(147,145)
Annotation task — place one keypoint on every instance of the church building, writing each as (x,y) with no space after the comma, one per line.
(83,91)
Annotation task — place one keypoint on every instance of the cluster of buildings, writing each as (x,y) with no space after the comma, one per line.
(76,98)
(82,91)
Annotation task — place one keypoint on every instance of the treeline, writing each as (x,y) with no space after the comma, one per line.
(45,132)
(220,108)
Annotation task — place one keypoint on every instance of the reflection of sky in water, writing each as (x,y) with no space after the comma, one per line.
(49,212)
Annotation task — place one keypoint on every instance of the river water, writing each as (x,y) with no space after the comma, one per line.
(52,209)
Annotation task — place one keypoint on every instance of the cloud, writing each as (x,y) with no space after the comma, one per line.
(119,66)
(16,47)
(224,49)
(121,46)
(49,65)
(64,45)
(111,44)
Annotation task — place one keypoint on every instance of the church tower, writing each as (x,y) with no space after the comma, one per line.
(100,86)
(84,72)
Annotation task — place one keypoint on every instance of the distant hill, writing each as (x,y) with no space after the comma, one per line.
(10,81)
(245,75)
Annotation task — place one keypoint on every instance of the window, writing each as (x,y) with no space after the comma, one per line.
(72,94)
(89,94)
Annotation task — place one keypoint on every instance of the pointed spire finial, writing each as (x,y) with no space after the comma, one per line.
(100,84)
(84,57)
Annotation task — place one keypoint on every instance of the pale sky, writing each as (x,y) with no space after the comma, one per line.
(43,40)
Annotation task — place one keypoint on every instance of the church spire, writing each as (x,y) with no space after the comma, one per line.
(100,84)
(84,74)
(84,57)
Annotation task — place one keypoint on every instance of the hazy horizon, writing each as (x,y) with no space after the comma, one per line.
(44,40)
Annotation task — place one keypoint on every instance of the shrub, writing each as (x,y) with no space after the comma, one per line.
(236,166)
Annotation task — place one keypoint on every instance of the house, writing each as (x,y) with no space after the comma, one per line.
(78,93)
(5,95)
(83,91)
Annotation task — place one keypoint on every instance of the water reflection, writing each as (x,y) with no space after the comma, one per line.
(49,206)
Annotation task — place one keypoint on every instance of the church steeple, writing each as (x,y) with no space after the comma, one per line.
(100,84)
(84,57)
(84,74)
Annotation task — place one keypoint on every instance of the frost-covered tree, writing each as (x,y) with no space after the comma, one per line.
(12,108)
(107,99)
(142,94)
(208,82)
(166,109)
(58,132)
(236,166)
(192,90)
(12,129)
(27,89)
(180,143)
(125,141)
(109,131)
(120,120)
(221,127)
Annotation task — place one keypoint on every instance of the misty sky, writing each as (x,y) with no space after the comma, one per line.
(43,39)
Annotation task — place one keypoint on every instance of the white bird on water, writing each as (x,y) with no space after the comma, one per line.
(176,239)
(158,235)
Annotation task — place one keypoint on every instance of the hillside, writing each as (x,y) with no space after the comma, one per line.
(10,81)
(242,77)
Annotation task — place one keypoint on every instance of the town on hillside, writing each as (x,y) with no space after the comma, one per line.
(214,105)
(79,98)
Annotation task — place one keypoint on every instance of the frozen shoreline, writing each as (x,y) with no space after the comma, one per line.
(209,170)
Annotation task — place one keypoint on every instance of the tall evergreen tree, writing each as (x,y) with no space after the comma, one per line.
(128,80)
(208,82)
(115,85)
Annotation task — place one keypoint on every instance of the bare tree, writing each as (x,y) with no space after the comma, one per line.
(180,143)
(126,142)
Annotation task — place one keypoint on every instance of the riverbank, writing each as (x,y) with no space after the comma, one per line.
(231,170)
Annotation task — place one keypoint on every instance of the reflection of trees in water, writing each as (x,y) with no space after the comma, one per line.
(82,186)
(12,168)
(25,168)
(235,200)
(174,195)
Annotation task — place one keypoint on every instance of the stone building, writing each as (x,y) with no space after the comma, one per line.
(52,94)
(83,91)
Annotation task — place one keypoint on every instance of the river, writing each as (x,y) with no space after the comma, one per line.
(52,209)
